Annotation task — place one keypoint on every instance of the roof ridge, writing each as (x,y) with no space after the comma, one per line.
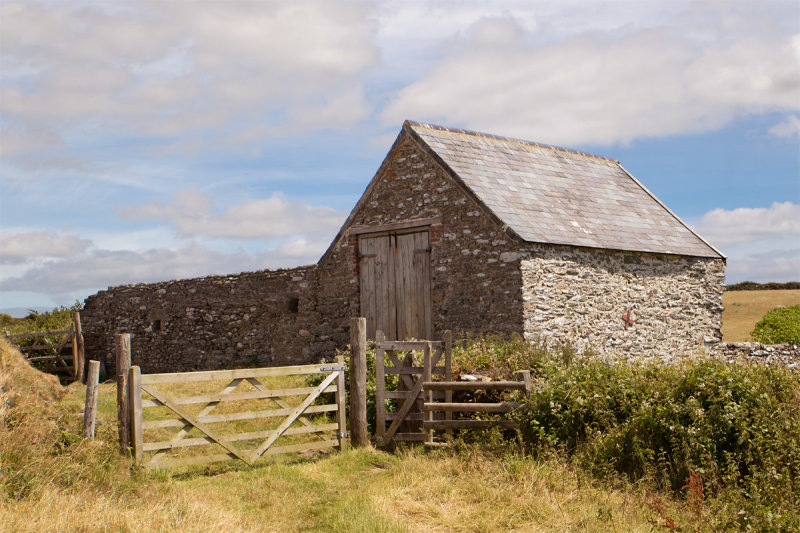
(512,140)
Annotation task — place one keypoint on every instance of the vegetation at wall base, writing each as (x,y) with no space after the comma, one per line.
(780,325)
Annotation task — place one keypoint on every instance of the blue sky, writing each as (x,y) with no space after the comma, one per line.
(144,141)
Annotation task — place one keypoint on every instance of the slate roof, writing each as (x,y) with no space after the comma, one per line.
(559,196)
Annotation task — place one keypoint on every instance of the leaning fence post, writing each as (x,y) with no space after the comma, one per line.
(358,381)
(90,406)
(78,354)
(123,365)
(341,417)
(135,403)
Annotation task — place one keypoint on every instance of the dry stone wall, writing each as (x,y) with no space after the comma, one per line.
(482,280)
(769,354)
(673,304)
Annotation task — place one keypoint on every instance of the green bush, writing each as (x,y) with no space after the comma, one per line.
(738,426)
(779,326)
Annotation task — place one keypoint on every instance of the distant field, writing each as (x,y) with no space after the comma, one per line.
(744,308)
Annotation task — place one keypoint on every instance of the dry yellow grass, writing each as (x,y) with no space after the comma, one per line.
(744,308)
(51,480)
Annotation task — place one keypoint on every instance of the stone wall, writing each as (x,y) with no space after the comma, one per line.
(259,318)
(482,280)
(581,295)
(769,354)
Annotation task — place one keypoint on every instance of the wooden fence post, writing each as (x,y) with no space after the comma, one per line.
(358,382)
(135,403)
(427,377)
(123,365)
(524,376)
(79,356)
(90,407)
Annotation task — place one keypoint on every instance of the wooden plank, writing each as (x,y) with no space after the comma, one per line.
(367,287)
(79,351)
(214,375)
(135,404)
(414,417)
(413,370)
(230,417)
(403,394)
(474,385)
(380,387)
(239,396)
(389,276)
(123,354)
(292,417)
(341,415)
(470,424)
(394,226)
(428,394)
(525,377)
(202,441)
(40,334)
(407,345)
(405,379)
(473,407)
(196,423)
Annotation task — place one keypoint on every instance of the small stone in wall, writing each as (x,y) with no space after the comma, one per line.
(304,333)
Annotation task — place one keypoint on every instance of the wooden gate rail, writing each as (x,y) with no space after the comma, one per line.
(186,421)
(523,384)
(58,363)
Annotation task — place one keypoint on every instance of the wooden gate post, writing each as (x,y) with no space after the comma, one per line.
(78,355)
(358,382)
(380,389)
(123,365)
(90,406)
(135,403)
(341,417)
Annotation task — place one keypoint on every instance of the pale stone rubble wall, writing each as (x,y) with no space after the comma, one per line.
(769,354)
(580,295)
(482,281)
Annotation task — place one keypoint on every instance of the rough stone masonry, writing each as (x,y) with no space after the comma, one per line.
(484,276)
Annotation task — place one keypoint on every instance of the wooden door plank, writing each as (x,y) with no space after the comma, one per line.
(282,403)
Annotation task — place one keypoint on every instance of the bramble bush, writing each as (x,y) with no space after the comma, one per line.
(736,425)
(778,326)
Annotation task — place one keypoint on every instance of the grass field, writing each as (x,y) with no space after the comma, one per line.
(744,308)
(52,480)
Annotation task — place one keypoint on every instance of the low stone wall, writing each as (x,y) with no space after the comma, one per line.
(260,318)
(622,304)
(770,354)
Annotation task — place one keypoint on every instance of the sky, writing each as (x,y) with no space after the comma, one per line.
(155,140)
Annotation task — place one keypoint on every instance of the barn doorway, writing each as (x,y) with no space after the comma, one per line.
(395,282)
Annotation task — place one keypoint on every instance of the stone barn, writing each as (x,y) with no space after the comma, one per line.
(457,230)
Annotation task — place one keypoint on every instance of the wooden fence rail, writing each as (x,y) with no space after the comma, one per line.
(198,427)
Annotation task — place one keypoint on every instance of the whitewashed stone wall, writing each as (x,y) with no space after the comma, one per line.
(580,295)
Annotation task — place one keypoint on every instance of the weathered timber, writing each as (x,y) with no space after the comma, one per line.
(78,349)
(135,404)
(90,406)
(341,417)
(473,407)
(253,435)
(477,385)
(123,353)
(212,375)
(470,424)
(230,417)
(239,396)
(358,382)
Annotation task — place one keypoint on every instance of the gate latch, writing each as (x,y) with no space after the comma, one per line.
(343,435)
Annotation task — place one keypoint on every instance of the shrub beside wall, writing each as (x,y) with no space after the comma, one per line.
(780,325)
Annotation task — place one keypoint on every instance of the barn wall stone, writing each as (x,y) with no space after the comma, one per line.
(580,295)
(482,281)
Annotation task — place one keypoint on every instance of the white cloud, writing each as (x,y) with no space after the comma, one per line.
(172,67)
(21,247)
(191,214)
(724,227)
(97,269)
(789,128)
(688,73)
(775,265)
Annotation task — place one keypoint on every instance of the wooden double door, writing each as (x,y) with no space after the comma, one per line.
(395,282)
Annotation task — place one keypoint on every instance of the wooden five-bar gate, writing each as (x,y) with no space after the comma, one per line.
(169,426)
(420,388)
